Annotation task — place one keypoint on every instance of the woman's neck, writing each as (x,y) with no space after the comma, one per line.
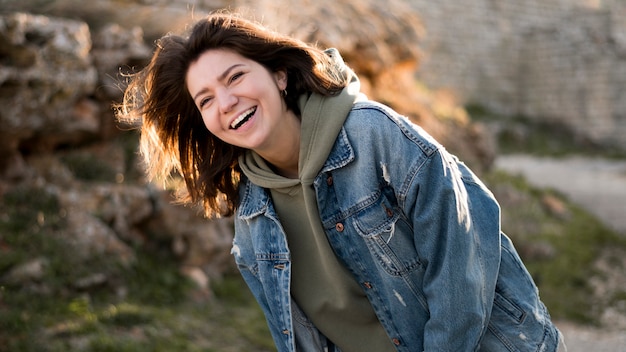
(285,152)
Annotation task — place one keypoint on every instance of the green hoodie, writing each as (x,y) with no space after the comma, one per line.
(320,284)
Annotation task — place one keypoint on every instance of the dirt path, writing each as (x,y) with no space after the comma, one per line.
(599,186)
(585,339)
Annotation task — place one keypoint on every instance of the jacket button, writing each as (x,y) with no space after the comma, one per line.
(396,342)
(367,284)
(286,332)
(329,181)
(389,212)
(339,227)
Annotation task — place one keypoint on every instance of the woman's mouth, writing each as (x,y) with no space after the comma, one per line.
(243,118)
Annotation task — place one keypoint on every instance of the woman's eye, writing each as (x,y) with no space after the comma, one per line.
(236,76)
(204,102)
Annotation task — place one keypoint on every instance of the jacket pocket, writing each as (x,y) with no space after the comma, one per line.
(508,308)
(387,234)
(519,321)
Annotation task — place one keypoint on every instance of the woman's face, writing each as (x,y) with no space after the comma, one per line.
(239,99)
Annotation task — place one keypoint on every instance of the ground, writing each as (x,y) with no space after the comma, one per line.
(599,186)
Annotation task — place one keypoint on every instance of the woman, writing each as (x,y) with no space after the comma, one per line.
(354,229)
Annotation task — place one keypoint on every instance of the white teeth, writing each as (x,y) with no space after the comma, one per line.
(242,117)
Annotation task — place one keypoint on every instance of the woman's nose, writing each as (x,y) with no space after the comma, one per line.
(226,100)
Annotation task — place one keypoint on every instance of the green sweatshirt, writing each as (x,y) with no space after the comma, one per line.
(320,284)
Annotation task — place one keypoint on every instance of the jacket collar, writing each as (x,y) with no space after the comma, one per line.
(255,200)
(341,154)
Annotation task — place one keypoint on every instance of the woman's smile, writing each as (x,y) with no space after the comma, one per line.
(243,118)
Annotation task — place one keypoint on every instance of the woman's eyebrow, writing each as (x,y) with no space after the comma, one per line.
(219,78)
(227,72)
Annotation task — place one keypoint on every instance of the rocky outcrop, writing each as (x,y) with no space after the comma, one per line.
(59,138)
(46,70)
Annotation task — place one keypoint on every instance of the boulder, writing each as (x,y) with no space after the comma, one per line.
(45,75)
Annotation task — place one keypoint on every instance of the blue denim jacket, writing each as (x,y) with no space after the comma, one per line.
(417,229)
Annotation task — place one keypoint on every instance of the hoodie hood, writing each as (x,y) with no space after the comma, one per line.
(321,121)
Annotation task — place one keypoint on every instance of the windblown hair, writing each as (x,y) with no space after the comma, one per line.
(174,139)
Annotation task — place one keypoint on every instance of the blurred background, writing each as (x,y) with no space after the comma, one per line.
(531,95)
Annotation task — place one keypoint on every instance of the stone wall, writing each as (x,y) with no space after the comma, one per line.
(557,60)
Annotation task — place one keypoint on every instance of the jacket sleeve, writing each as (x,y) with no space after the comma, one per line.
(244,255)
(456,224)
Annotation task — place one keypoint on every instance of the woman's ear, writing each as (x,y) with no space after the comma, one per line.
(281,79)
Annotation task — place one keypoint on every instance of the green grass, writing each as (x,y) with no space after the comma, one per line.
(28,218)
(576,238)
(82,166)
(153,317)
(85,166)
(143,306)
(520,134)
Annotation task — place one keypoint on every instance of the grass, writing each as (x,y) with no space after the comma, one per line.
(145,306)
(82,166)
(521,134)
(184,325)
(28,218)
(81,324)
(153,317)
(574,237)
(85,166)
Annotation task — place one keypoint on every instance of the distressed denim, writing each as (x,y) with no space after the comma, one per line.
(420,233)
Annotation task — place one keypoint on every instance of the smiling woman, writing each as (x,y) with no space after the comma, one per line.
(241,104)
(354,229)
(173,138)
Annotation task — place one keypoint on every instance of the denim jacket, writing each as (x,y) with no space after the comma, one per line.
(420,233)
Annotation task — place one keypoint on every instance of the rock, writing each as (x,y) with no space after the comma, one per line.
(555,206)
(155,17)
(33,270)
(90,236)
(46,69)
(117,51)
(609,287)
(118,207)
(196,241)
(12,166)
(91,281)
(371,47)
(197,276)
(51,169)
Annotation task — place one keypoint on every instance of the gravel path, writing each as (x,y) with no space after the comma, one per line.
(598,185)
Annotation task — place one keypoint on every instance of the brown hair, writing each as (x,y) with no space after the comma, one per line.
(174,138)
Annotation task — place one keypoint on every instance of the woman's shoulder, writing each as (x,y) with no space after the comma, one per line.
(372,108)
(373,121)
